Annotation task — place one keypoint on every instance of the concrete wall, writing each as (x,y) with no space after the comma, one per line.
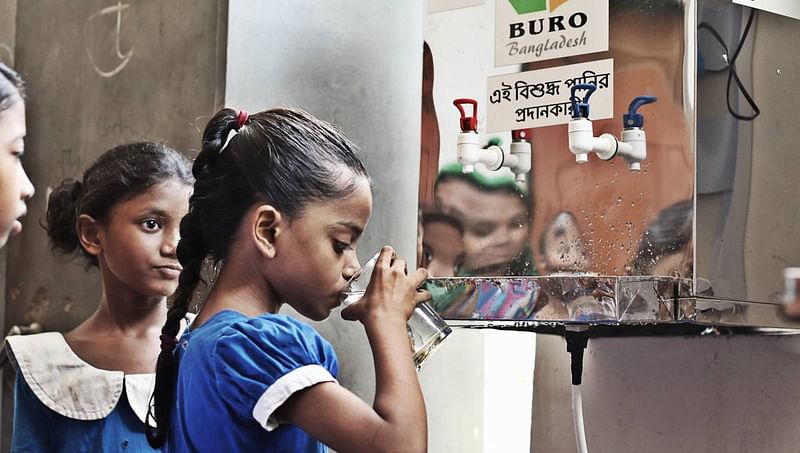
(8,27)
(703,394)
(91,85)
(83,99)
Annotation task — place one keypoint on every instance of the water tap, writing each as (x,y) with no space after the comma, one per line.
(632,147)
(470,152)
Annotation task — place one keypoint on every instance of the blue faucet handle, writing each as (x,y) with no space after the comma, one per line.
(580,108)
(633,118)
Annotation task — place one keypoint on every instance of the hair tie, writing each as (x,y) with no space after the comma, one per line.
(242,119)
(168,343)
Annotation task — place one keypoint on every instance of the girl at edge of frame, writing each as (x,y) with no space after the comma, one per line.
(89,390)
(15,187)
(280,201)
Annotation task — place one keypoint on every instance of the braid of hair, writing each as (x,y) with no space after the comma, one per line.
(191,253)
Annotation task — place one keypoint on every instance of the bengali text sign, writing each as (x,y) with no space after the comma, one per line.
(542,98)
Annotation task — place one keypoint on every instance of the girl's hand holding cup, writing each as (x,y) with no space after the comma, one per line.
(382,292)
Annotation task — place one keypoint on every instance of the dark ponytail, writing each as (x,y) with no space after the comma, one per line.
(119,174)
(61,218)
(283,157)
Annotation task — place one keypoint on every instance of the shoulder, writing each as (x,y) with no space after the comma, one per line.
(275,331)
(61,380)
(273,344)
(260,362)
(271,333)
(270,325)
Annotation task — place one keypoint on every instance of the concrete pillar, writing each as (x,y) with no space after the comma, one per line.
(358,64)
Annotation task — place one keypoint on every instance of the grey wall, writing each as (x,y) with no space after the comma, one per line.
(8,16)
(357,63)
(664,395)
(168,86)
(171,82)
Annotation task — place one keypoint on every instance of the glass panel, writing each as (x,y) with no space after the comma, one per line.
(592,218)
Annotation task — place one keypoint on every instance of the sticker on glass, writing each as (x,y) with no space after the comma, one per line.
(536,30)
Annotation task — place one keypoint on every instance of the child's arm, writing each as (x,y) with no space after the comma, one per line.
(397,421)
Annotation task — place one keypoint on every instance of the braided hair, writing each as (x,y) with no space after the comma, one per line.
(284,157)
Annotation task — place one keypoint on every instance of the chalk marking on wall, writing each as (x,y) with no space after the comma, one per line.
(126,57)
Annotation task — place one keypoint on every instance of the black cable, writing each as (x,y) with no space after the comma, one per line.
(732,75)
(576,344)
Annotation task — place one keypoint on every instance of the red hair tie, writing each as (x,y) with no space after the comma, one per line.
(168,343)
(242,119)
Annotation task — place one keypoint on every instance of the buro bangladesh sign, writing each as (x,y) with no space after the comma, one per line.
(533,30)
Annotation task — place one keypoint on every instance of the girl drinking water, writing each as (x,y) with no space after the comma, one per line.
(15,187)
(88,390)
(280,201)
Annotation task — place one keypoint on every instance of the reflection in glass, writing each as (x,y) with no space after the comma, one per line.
(494,215)
(598,217)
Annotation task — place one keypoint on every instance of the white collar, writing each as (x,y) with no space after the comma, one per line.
(62,381)
(71,387)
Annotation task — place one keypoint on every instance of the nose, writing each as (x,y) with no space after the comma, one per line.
(500,237)
(27,189)
(351,266)
(170,243)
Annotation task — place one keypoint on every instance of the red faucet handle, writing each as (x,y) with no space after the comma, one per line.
(468,123)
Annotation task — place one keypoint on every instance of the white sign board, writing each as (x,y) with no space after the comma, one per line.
(535,30)
(435,6)
(788,8)
(542,98)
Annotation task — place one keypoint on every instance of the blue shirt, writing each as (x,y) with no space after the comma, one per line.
(38,429)
(234,373)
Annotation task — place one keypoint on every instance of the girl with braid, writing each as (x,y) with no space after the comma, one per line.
(88,390)
(279,203)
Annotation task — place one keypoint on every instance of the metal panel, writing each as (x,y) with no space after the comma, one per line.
(747,213)
(562,300)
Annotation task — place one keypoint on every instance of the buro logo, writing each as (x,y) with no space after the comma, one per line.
(534,6)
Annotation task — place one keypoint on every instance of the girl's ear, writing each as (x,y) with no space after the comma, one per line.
(267,224)
(89,234)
